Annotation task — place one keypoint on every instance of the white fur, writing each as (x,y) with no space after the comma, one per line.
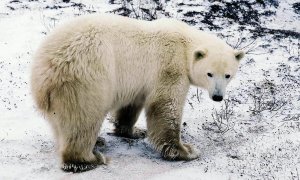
(100,63)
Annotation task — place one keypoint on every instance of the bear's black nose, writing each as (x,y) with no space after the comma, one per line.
(217,98)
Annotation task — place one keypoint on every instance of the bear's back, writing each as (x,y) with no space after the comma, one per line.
(127,51)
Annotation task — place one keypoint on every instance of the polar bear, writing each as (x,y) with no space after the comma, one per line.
(103,63)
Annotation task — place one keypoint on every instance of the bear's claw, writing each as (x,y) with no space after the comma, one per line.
(77,167)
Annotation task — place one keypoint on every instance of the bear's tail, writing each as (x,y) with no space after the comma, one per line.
(42,86)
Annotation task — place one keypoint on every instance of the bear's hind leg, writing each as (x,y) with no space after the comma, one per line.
(78,146)
(126,117)
(77,117)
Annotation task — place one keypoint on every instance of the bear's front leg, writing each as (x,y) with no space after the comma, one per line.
(163,123)
(126,117)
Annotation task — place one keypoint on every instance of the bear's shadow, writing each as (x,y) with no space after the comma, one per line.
(208,143)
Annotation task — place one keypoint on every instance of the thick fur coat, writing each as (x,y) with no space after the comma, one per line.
(97,64)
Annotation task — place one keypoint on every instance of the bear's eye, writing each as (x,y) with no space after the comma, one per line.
(209,74)
(227,76)
(199,55)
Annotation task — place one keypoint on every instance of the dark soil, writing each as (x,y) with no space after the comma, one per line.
(296,7)
(277,33)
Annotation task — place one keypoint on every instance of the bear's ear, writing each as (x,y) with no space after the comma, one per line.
(239,54)
(199,54)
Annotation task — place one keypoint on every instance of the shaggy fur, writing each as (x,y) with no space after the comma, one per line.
(97,64)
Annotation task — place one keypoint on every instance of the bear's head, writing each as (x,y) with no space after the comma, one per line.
(212,68)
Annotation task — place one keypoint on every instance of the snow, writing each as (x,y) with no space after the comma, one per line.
(284,18)
(193,173)
(264,146)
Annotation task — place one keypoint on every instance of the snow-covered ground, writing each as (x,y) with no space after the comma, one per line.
(258,139)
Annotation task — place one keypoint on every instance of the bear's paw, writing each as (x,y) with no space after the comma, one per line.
(78,167)
(179,152)
(136,133)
